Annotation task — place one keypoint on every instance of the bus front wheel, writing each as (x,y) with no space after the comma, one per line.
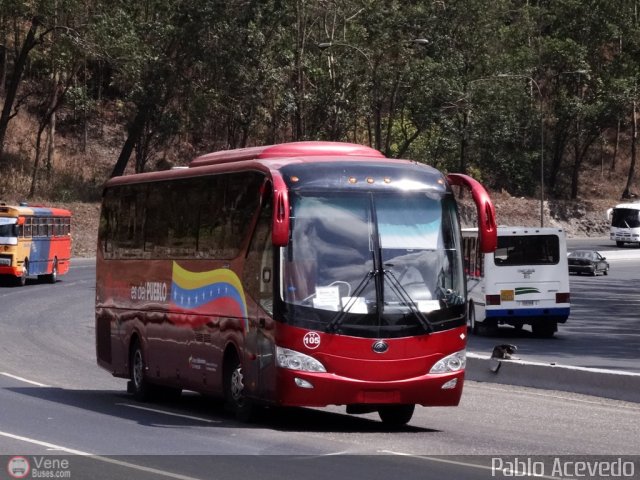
(234,391)
(22,279)
(396,415)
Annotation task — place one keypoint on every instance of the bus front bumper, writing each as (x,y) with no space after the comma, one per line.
(305,389)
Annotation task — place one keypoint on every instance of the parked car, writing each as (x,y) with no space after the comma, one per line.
(587,261)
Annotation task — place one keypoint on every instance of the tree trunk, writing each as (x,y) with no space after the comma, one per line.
(36,161)
(134,135)
(3,63)
(616,147)
(16,77)
(632,167)
(51,145)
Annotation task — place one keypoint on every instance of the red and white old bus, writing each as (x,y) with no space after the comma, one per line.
(299,274)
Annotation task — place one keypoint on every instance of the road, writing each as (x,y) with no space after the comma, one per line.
(54,400)
(603,330)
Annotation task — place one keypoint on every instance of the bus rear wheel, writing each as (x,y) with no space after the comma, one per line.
(545,329)
(138,386)
(396,415)
(53,276)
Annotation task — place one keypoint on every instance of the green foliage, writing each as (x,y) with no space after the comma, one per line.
(497,88)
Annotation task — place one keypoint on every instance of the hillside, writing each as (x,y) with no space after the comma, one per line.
(78,175)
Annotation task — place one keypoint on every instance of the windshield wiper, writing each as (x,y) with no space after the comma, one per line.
(401,292)
(335,322)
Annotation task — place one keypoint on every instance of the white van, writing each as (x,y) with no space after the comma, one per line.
(524,282)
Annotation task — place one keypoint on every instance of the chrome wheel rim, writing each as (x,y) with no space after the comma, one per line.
(237,386)
(138,367)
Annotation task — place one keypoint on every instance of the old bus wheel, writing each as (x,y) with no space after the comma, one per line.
(234,393)
(396,415)
(53,276)
(22,279)
(139,386)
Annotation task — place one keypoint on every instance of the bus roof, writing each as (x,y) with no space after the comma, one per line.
(271,159)
(32,211)
(630,205)
(287,150)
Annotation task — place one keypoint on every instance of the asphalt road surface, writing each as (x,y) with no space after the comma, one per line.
(55,402)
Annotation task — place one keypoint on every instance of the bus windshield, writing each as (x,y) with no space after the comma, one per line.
(625,218)
(7,227)
(380,260)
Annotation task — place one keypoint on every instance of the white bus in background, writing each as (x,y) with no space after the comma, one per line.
(625,223)
(525,282)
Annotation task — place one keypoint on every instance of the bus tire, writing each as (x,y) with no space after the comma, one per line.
(396,415)
(234,390)
(53,276)
(544,329)
(139,385)
(22,279)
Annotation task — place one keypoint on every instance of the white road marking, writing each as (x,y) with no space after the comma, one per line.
(21,379)
(164,412)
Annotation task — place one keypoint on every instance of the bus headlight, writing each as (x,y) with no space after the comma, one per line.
(297,361)
(451,363)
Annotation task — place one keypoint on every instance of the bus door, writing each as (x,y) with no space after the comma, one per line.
(259,278)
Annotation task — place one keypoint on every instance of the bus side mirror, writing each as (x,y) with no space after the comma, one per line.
(487,229)
(280,222)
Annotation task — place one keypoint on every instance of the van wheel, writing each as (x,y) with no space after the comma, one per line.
(234,391)
(396,415)
(139,386)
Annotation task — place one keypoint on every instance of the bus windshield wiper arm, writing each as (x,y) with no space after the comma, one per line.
(399,290)
(339,317)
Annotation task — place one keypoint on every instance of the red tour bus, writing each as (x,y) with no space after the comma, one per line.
(34,240)
(299,274)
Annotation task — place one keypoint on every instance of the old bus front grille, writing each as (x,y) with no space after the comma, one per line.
(5,260)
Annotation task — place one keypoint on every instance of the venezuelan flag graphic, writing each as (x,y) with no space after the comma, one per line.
(216,292)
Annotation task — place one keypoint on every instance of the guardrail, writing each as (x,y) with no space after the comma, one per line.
(588,381)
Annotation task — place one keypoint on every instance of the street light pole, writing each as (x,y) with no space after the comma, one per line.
(507,75)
